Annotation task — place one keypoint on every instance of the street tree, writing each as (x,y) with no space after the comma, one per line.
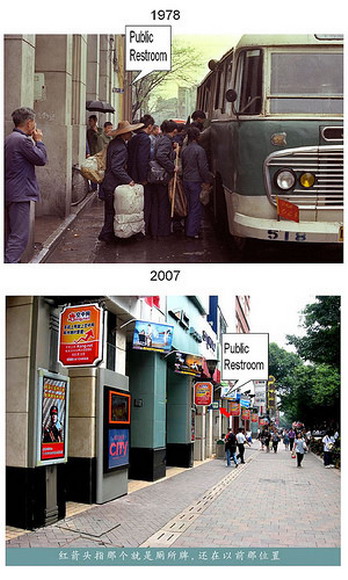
(186,65)
(322,323)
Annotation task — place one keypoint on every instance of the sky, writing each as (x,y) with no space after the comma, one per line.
(278,315)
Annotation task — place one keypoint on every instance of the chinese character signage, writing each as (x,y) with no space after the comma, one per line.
(203,393)
(245,414)
(81,335)
(235,408)
(52,418)
(152,336)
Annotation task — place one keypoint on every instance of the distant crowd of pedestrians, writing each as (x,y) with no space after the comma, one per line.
(296,439)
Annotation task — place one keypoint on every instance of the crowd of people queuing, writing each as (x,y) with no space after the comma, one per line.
(297,440)
(130,148)
(176,150)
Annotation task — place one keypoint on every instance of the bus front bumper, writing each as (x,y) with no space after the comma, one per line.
(286,231)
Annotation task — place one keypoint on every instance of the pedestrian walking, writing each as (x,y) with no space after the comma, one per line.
(241,441)
(275,440)
(286,440)
(292,436)
(195,173)
(139,155)
(24,150)
(328,446)
(300,448)
(231,448)
(266,439)
(160,221)
(115,174)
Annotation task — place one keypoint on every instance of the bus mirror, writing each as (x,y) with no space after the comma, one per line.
(212,64)
(231,96)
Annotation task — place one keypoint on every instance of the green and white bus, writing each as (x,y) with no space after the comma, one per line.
(275,111)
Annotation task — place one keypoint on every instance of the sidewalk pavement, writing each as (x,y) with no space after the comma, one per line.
(268,502)
(49,230)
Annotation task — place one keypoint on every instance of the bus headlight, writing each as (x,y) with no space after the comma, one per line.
(307,179)
(285,179)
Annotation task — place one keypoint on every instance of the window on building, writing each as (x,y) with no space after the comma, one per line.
(111,342)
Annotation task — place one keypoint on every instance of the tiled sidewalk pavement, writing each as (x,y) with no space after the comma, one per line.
(267,502)
(273,504)
(130,520)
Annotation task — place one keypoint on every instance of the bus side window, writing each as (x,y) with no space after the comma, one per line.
(249,82)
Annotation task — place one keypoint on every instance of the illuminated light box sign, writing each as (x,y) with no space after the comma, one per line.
(203,393)
(52,418)
(152,336)
(81,335)
(117,409)
(188,364)
(118,448)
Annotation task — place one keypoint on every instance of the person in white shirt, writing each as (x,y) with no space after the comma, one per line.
(328,447)
(241,440)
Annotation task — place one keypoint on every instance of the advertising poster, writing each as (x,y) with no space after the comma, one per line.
(203,393)
(119,408)
(188,364)
(81,335)
(245,414)
(118,448)
(52,417)
(152,336)
(117,418)
(235,408)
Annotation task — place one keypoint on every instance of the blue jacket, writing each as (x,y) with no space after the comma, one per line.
(22,154)
(139,152)
(195,164)
(116,163)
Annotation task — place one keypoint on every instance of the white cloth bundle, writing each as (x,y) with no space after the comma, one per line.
(129,210)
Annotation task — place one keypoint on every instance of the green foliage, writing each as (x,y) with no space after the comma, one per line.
(322,322)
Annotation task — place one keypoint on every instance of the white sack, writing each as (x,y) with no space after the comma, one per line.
(129,210)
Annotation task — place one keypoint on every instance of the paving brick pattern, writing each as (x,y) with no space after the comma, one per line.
(270,504)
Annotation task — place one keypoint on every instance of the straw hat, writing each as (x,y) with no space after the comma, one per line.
(125,127)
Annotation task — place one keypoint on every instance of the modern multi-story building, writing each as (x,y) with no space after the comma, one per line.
(101,389)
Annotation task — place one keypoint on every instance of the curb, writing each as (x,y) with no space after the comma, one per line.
(52,241)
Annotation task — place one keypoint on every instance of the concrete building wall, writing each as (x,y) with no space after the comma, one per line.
(19,320)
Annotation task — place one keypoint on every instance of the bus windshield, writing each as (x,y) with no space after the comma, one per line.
(306,82)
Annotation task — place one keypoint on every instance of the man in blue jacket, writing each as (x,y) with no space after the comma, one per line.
(24,150)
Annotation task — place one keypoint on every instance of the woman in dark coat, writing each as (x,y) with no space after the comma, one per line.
(195,172)
(164,155)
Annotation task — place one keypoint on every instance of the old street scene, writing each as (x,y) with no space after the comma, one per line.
(175,430)
(222,155)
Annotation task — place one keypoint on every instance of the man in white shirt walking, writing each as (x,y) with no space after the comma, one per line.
(241,441)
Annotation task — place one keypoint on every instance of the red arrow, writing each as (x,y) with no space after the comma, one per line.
(224,412)
(89,334)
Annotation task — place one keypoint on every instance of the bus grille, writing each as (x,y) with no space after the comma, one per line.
(325,162)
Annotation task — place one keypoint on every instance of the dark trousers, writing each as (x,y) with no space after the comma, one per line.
(16,230)
(299,459)
(109,214)
(160,221)
(194,217)
(241,452)
(328,458)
